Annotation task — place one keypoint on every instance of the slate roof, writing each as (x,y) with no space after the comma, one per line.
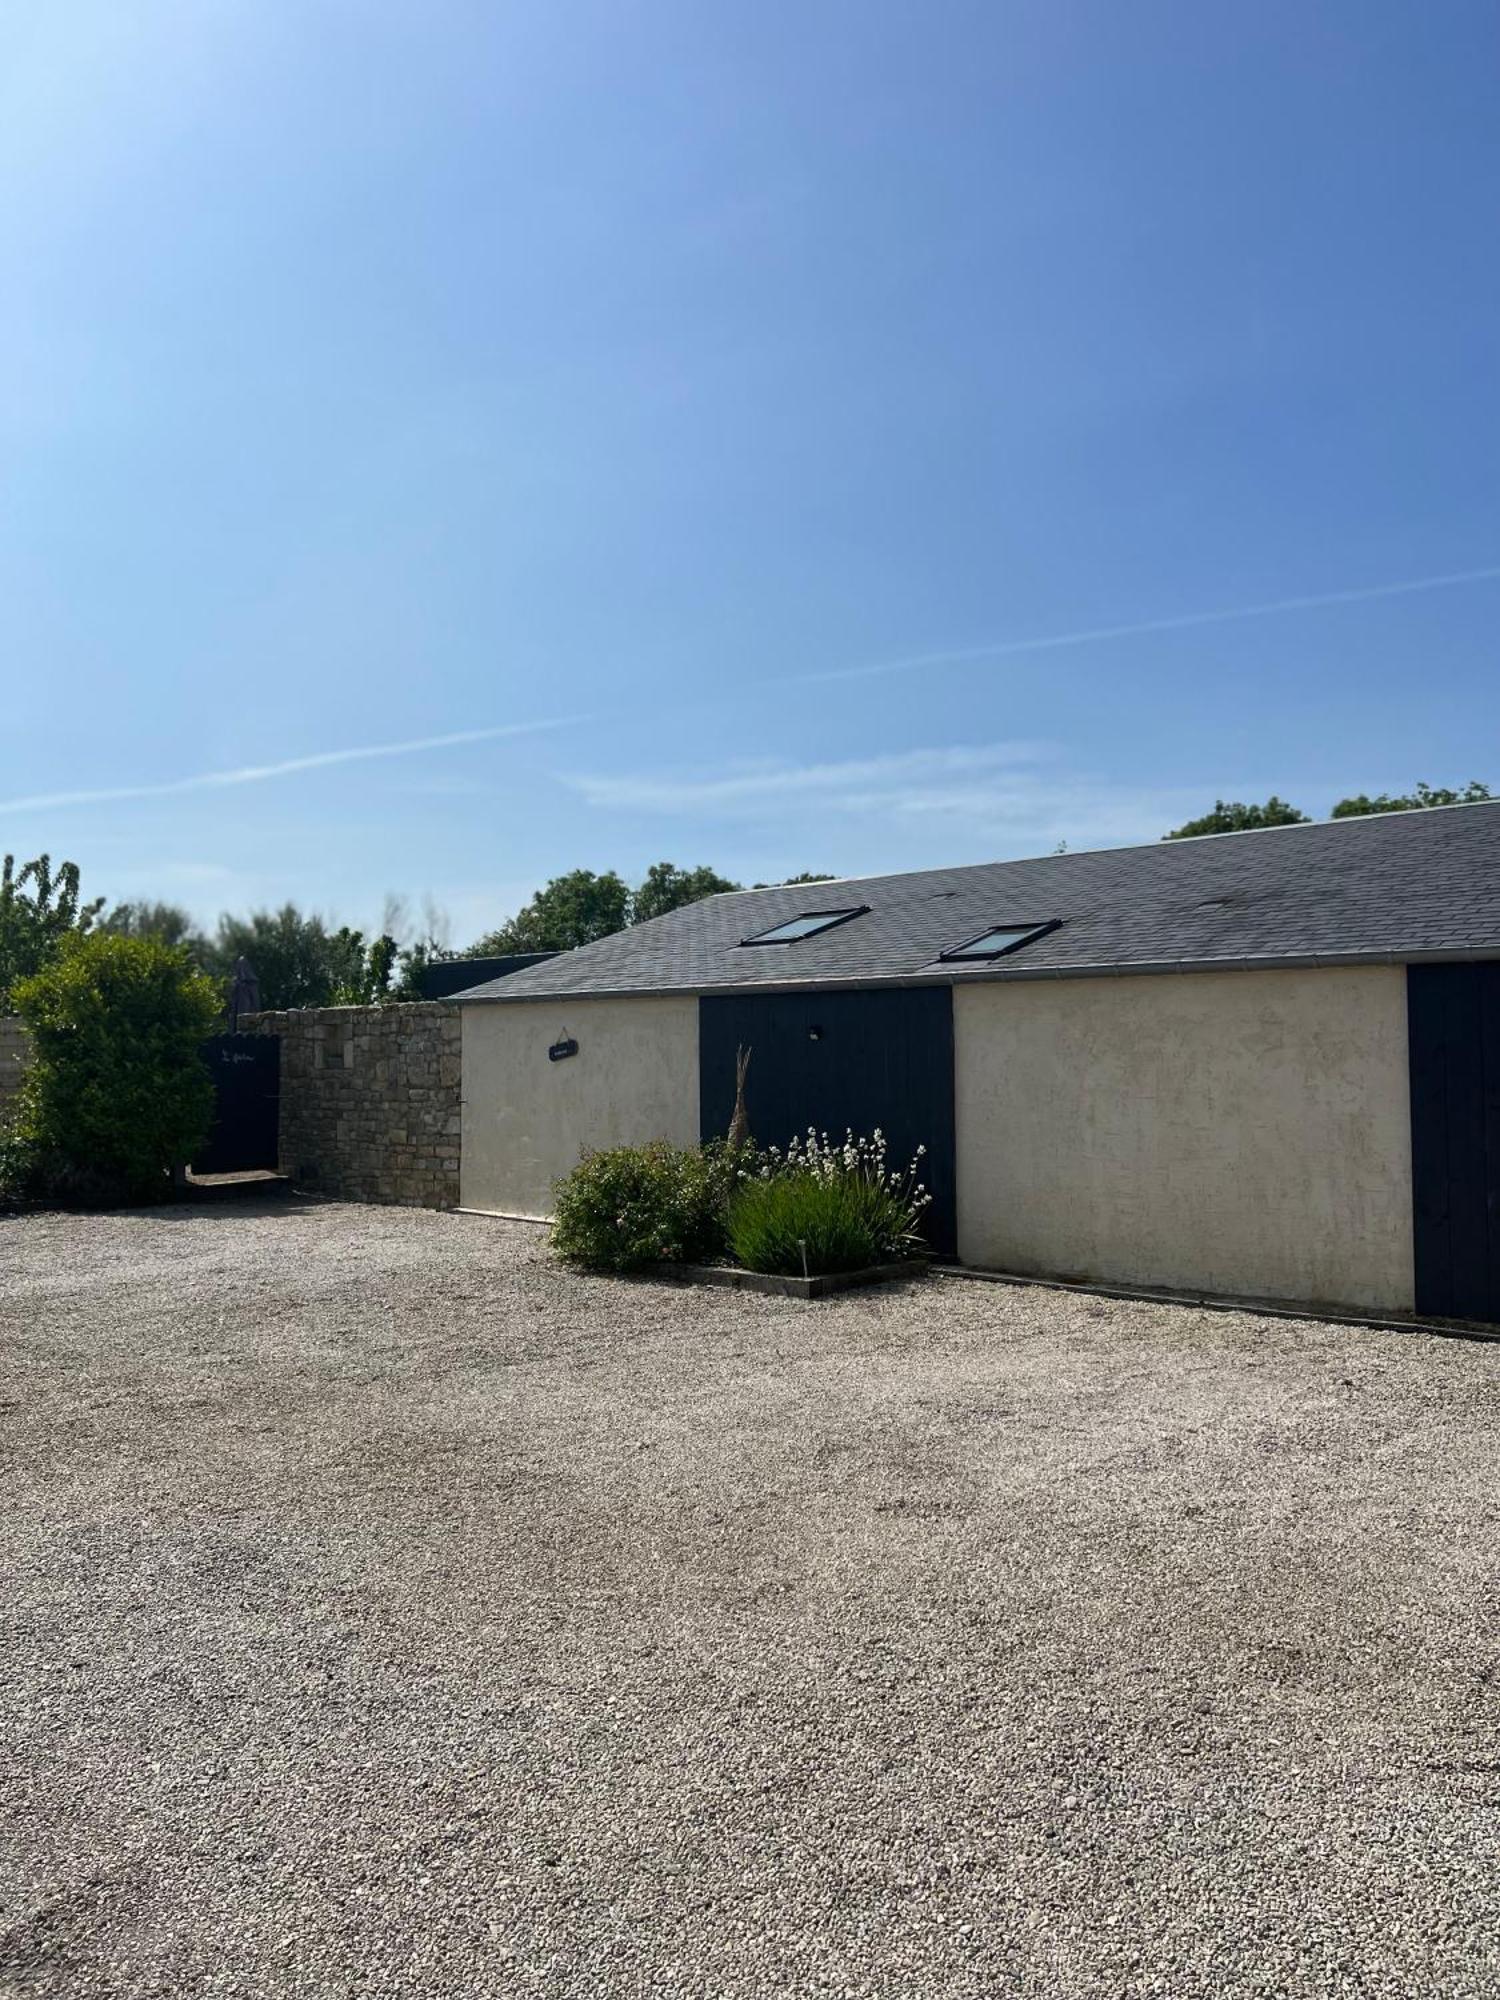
(1395,887)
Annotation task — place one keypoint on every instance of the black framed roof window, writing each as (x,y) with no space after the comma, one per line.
(807,925)
(997,942)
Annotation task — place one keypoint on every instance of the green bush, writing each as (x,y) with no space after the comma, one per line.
(826,1205)
(842,1222)
(638,1205)
(116,1094)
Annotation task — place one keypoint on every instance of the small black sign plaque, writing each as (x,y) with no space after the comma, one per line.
(560,1051)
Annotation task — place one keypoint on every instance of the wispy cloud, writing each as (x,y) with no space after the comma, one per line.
(1010,794)
(752,788)
(1183,622)
(255,774)
(750,785)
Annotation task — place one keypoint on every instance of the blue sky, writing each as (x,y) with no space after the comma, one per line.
(620,377)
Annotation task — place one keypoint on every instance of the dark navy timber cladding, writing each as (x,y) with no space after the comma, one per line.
(1453,1026)
(842,1062)
(446,976)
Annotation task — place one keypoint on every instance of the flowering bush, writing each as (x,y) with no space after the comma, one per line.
(825,1206)
(639,1205)
(814,1206)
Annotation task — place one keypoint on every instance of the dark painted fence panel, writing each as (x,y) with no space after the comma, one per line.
(1453,1017)
(840,1061)
(246,1070)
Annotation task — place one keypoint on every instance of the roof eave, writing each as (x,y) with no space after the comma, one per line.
(951,975)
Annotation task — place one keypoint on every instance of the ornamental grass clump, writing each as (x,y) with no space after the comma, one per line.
(825,1207)
(633,1206)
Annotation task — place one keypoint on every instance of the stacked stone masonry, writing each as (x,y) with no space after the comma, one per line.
(370,1101)
(15,1054)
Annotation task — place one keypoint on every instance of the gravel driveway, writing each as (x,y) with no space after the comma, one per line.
(387,1614)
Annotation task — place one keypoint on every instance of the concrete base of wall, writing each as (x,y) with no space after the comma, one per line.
(508,1215)
(1213,1302)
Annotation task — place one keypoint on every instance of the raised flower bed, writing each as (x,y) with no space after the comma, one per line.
(816,1217)
(737,1279)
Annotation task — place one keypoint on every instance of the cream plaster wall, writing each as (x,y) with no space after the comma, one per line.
(1238,1132)
(527,1120)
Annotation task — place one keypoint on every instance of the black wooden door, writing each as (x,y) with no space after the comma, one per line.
(246,1070)
(1453,1024)
(840,1062)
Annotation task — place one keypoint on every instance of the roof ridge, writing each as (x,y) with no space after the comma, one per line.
(1416,893)
(1126,847)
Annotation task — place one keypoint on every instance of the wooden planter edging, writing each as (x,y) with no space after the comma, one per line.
(789,1288)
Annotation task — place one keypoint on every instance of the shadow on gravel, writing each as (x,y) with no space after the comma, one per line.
(257,1208)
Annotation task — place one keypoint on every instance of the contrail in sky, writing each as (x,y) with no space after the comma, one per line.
(253,774)
(1006,648)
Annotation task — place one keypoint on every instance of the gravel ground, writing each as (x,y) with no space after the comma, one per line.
(388,1614)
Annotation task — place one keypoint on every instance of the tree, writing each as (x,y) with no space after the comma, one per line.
(571,910)
(1233,817)
(296,961)
(167,921)
(1474,793)
(362,977)
(38,909)
(380,965)
(668,887)
(116,1093)
(583,907)
(410,965)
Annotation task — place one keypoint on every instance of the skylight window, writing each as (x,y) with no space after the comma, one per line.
(995,943)
(805,926)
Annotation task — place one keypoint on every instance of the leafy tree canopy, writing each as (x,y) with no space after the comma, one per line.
(1472,794)
(1233,817)
(668,887)
(1230,816)
(298,962)
(167,921)
(579,908)
(363,973)
(571,910)
(39,907)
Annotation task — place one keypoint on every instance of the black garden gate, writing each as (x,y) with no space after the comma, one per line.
(246,1070)
(1453,1020)
(840,1061)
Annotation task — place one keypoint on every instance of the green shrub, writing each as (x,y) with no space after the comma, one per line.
(826,1206)
(116,1094)
(843,1223)
(636,1205)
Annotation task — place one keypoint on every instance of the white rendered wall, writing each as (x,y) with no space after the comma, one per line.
(1237,1132)
(527,1121)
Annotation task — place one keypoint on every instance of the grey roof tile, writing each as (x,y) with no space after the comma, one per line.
(1389,887)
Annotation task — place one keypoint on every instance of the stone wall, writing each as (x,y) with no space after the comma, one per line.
(370,1100)
(15,1053)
